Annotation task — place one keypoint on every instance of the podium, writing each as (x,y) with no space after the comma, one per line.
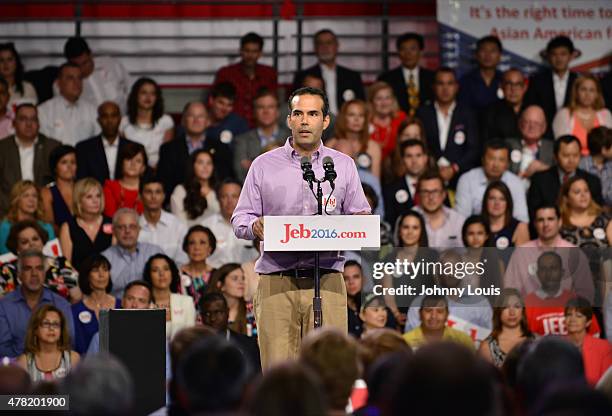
(137,338)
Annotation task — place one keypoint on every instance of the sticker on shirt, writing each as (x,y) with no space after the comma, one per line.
(532,268)
(459,138)
(599,233)
(500,93)
(364,161)
(85,317)
(329,203)
(502,242)
(348,95)
(516,156)
(185,280)
(401,196)
(226,136)
(60,373)
(371,128)
(107,228)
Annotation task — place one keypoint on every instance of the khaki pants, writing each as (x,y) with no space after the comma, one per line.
(283,311)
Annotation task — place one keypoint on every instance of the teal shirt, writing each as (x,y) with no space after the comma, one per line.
(5,228)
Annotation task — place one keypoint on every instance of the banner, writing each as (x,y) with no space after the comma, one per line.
(525,27)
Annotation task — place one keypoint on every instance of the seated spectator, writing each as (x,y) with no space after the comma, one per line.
(89,232)
(247,76)
(599,161)
(96,284)
(433,314)
(196,199)
(163,276)
(158,226)
(6,113)
(225,124)
(585,112)
(145,121)
(352,125)
(13,71)
(501,118)
(596,353)
(530,152)
(67,116)
(475,232)
(379,343)
(476,235)
(127,256)
(214,313)
(443,224)
(546,185)
(409,129)
(24,204)
(268,129)
(122,192)
(373,313)
(481,87)
(24,155)
(521,273)
(497,209)
(229,249)
(17,307)
(47,343)
(176,153)
(353,280)
(385,116)
(97,156)
(229,280)
(104,78)
(510,328)
(411,83)
(473,183)
(57,195)
(199,243)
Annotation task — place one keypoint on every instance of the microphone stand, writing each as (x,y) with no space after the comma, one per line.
(317,307)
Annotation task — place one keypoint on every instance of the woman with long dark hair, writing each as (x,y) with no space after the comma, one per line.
(506,231)
(57,195)
(12,70)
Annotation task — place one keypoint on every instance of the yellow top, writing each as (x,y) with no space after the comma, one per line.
(416,339)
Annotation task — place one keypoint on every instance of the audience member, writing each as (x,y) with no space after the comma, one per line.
(57,195)
(225,124)
(501,118)
(353,280)
(97,156)
(67,116)
(411,83)
(497,208)
(122,192)
(340,83)
(12,70)
(378,343)
(599,160)
(268,129)
(373,313)
(47,354)
(571,399)
(104,78)
(450,127)
(6,113)
(393,168)
(89,232)
(25,154)
(229,280)
(586,111)
(25,203)
(473,183)
(161,273)
(145,121)
(158,226)
(385,116)
(196,199)
(248,76)
(17,307)
(14,380)
(96,284)
(127,256)
(481,87)
(199,243)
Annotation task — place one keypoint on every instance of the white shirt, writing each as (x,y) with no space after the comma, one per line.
(26,159)
(177,206)
(560,86)
(411,183)
(230,249)
(108,82)
(150,138)
(415,75)
(168,234)
(28,96)
(329,77)
(68,122)
(444,123)
(449,234)
(111,150)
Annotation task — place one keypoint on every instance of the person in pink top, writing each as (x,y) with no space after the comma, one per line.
(6,116)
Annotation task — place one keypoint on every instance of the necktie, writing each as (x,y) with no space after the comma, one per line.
(415,195)
(566,177)
(413,95)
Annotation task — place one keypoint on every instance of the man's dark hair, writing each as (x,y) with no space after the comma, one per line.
(496,144)
(598,139)
(223,90)
(75,46)
(431,301)
(567,139)
(556,256)
(370,193)
(142,283)
(411,143)
(323,32)
(560,41)
(66,65)
(489,39)
(350,263)
(25,105)
(410,36)
(265,92)
(429,175)
(227,181)
(211,297)
(252,37)
(548,206)
(149,179)
(444,70)
(310,91)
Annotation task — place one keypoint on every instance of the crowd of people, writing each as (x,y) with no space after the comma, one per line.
(107,201)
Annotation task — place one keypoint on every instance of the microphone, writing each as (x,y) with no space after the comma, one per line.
(330,172)
(307,173)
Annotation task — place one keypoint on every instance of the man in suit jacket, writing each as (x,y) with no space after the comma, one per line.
(409,48)
(267,131)
(341,84)
(450,128)
(551,87)
(25,154)
(501,119)
(174,155)
(97,156)
(545,186)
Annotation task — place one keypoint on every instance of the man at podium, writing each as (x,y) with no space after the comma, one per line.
(274,186)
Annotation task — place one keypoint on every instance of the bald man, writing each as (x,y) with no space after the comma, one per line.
(97,156)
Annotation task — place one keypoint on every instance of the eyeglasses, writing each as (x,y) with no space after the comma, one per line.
(434,192)
(49,324)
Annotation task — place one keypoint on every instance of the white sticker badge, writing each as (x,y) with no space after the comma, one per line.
(599,233)
(364,161)
(516,156)
(502,242)
(348,95)
(85,317)
(401,196)
(226,136)
(459,138)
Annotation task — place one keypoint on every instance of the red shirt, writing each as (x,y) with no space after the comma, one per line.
(116,196)
(597,357)
(246,88)
(386,136)
(546,316)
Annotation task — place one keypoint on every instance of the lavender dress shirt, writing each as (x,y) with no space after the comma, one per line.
(274,186)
